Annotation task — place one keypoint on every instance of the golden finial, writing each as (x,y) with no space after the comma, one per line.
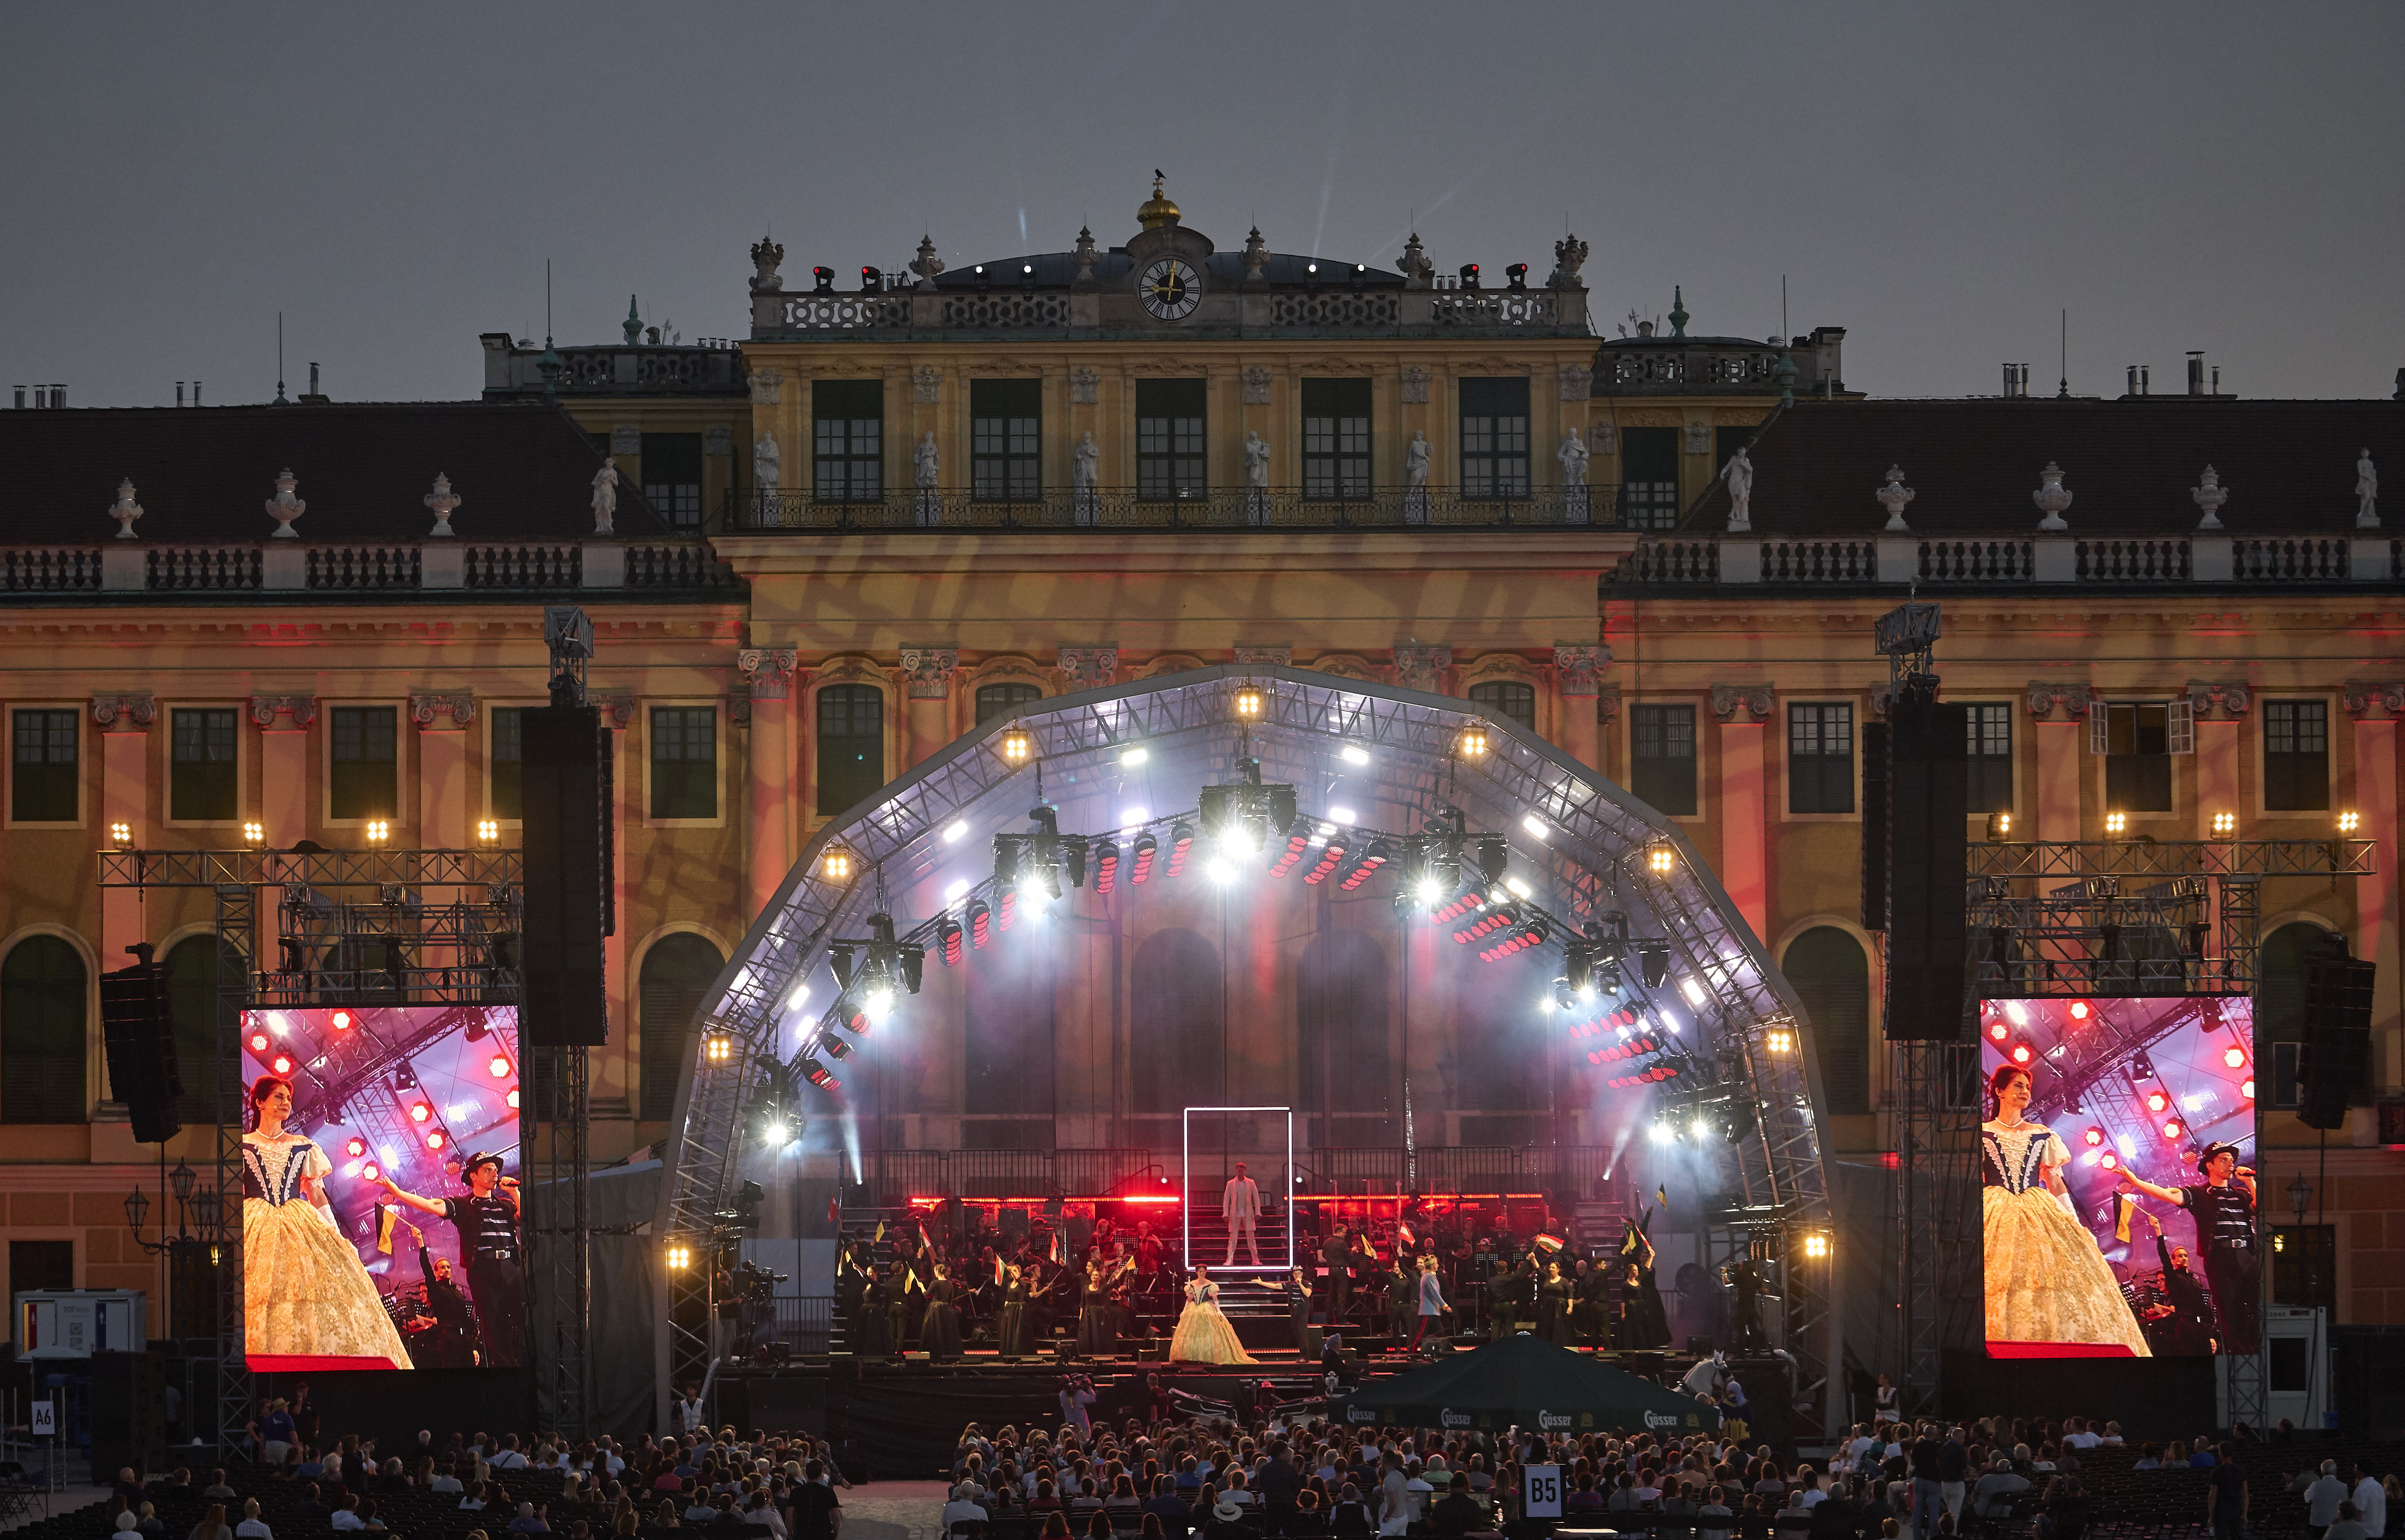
(1157,210)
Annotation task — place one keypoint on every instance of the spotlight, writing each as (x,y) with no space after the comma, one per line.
(1106,864)
(2224,825)
(680,1256)
(420,1112)
(871,280)
(914,966)
(836,1047)
(835,864)
(1516,276)
(1341,814)
(2158,1102)
(357,1148)
(1073,852)
(1297,840)
(817,1073)
(1494,857)
(1018,746)
(340,1021)
(1664,1134)
(878,1002)
(121,835)
(2022,1053)
(1331,856)
(980,917)
(254,833)
(2080,1010)
(487,831)
(372,1170)
(1142,853)
(1701,1129)
(1248,703)
(1997,1031)
(1692,990)
(2000,828)
(1353,753)
(1471,744)
(435,1140)
(1563,996)
(1429,891)
(1469,274)
(823,281)
(2347,824)
(281,1064)
(378,831)
(1816,1246)
(2235,1057)
(956,830)
(2246,1088)
(1377,855)
(2173,1127)
(839,960)
(1780,1039)
(1661,858)
(1134,814)
(2093,1137)
(1653,967)
(2117,823)
(1219,869)
(1133,755)
(2110,1160)
(512,1098)
(499,1067)
(717,1048)
(1181,839)
(1538,828)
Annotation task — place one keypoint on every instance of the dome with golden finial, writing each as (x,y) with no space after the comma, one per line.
(1157,210)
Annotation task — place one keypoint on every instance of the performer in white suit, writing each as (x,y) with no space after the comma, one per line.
(1240,1204)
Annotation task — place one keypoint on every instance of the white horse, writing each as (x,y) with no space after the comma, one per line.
(1707,1379)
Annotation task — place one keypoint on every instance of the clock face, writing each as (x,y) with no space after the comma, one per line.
(1170,289)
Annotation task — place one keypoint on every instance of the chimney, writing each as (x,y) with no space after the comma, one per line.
(2196,371)
(196,392)
(179,392)
(2133,379)
(2145,379)
(2216,379)
(2400,390)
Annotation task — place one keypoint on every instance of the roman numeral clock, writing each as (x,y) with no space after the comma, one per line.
(1170,289)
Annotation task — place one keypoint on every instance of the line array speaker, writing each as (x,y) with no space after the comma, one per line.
(1875,847)
(2334,1067)
(564,769)
(1928,797)
(139,1038)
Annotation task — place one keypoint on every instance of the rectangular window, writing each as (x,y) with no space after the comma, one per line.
(1335,439)
(508,798)
(848,440)
(2304,1266)
(851,744)
(202,787)
(1169,439)
(1649,478)
(684,761)
(2296,756)
(673,478)
(42,778)
(1516,701)
(1661,757)
(1819,758)
(1001,700)
(1006,439)
(1495,438)
(1990,757)
(2137,757)
(365,780)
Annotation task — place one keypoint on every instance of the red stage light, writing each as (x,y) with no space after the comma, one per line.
(2080,1010)
(948,942)
(2158,1102)
(1374,857)
(1297,840)
(512,1099)
(356,1148)
(2233,1056)
(1181,839)
(2173,1127)
(259,1042)
(1998,1030)
(2246,1088)
(281,1064)
(498,1067)
(1107,866)
(2110,1160)
(2023,1053)
(372,1170)
(1142,852)
(1331,856)
(1009,908)
(419,1111)
(819,1076)
(340,1021)
(434,1141)
(981,922)
(2094,1136)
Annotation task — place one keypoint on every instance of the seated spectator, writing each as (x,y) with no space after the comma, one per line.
(2349,1525)
(216,1491)
(1457,1512)
(1228,1522)
(251,1528)
(146,1521)
(347,1516)
(1350,1516)
(2151,1458)
(964,1508)
(1992,1496)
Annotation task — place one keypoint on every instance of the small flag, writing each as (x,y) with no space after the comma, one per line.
(997,1269)
(1404,1239)
(1662,1195)
(384,1218)
(834,1210)
(1059,1249)
(2122,1206)
(1628,1240)
(925,1244)
(880,1231)
(1549,1242)
(909,1278)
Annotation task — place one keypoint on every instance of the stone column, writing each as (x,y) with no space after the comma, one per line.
(1743,709)
(124,722)
(443,803)
(769,771)
(928,673)
(613,1070)
(284,808)
(2059,712)
(2376,708)
(1575,669)
(2220,713)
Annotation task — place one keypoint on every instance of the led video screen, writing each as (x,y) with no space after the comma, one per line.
(2117,1185)
(380,1224)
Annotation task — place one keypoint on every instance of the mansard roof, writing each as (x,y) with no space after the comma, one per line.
(1058,269)
(202,474)
(2129,464)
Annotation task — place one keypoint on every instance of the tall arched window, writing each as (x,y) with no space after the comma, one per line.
(851,744)
(1342,1059)
(678,972)
(1833,978)
(1179,1051)
(192,1006)
(43,985)
(1001,700)
(1007,1027)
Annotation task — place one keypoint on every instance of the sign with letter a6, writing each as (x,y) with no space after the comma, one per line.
(1544,1493)
(45,1424)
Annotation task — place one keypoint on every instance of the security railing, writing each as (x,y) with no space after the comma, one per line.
(1125,508)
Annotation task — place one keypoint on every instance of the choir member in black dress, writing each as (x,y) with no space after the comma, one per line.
(897,1311)
(1014,1314)
(1094,1334)
(939,1329)
(1554,1308)
(868,1318)
(1593,1312)
(1643,1321)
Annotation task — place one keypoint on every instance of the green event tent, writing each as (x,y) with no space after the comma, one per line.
(1525,1382)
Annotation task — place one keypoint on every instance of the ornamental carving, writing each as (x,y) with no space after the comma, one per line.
(1256,384)
(928,671)
(617,710)
(1603,439)
(1607,704)
(1577,668)
(428,711)
(1169,662)
(2046,696)
(1422,668)
(1699,437)
(928,381)
(739,710)
(1085,386)
(2219,702)
(1578,381)
(768,671)
(299,711)
(767,386)
(1087,667)
(2370,700)
(1415,386)
(765,257)
(1343,665)
(125,713)
(1264,657)
(1753,700)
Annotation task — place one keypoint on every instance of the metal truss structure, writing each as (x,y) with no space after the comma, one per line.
(443,921)
(2070,920)
(1587,848)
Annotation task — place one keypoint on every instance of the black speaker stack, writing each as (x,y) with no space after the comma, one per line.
(139,1039)
(2334,1066)
(1927,796)
(129,1411)
(570,867)
(1875,847)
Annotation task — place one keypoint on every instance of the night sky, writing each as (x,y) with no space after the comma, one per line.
(1940,180)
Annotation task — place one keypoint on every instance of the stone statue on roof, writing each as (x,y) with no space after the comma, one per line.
(1573,455)
(767,464)
(1738,473)
(126,509)
(1088,455)
(1257,461)
(2367,493)
(605,499)
(923,461)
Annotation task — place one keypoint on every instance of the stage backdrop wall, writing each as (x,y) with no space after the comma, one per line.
(627,1303)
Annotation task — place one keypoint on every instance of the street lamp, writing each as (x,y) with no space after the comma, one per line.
(2300,1196)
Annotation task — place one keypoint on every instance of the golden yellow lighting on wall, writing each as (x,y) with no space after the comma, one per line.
(2224,825)
(1471,745)
(1018,746)
(1248,704)
(2117,823)
(2347,824)
(378,831)
(836,864)
(121,835)
(254,833)
(1661,858)
(487,831)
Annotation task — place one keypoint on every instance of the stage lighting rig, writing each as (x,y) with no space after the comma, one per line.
(1331,856)
(1237,817)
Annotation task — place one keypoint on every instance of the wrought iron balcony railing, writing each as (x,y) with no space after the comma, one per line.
(1124,507)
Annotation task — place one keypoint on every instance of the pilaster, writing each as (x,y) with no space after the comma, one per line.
(443,800)
(927,675)
(2220,713)
(613,1067)
(769,762)
(1577,680)
(2376,706)
(284,722)
(124,722)
(2060,712)
(1744,709)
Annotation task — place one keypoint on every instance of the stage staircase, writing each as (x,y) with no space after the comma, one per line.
(1208,1243)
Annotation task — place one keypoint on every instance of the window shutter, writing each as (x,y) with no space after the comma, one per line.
(2100,730)
(2183,726)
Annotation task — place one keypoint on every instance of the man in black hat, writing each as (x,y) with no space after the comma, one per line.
(487,1221)
(2223,1206)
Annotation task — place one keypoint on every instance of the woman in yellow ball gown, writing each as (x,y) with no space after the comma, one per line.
(2046,1280)
(306,1301)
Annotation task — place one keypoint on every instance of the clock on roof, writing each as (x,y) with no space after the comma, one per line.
(1170,289)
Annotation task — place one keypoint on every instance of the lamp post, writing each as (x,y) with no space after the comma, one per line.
(2300,1196)
(198,1215)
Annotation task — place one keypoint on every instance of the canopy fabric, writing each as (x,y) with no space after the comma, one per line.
(1523,1381)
